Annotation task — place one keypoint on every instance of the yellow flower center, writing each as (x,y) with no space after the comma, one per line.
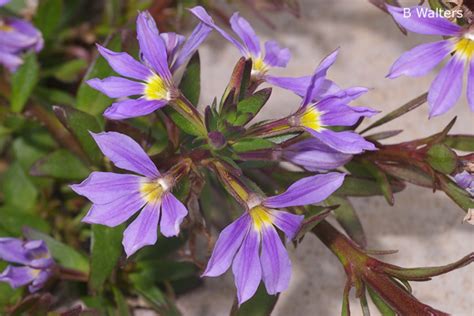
(152,191)
(5,27)
(260,217)
(311,118)
(258,66)
(156,89)
(465,46)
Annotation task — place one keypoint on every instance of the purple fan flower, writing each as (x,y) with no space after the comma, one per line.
(117,197)
(249,46)
(16,37)
(33,263)
(152,80)
(447,86)
(321,109)
(314,155)
(466,181)
(251,243)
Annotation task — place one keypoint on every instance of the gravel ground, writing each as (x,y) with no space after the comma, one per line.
(426,228)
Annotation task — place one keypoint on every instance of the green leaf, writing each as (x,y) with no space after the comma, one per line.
(381,179)
(69,71)
(249,107)
(237,85)
(106,248)
(18,190)
(90,100)
(13,221)
(190,84)
(261,304)
(347,217)
(182,122)
(61,164)
(48,17)
(460,196)
(409,106)
(442,158)
(63,254)
(354,186)
(158,271)
(251,144)
(460,142)
(384,308)
(23,82)
(80,124)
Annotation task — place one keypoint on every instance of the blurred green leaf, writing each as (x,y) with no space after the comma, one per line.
(106,248)
(261,304)
(150,292)
(54,96)
(13,221)
(48,16)
(69,71)
(80,124)
(442,158)
(190,84)
(24,81)
(158,271)
(120,301)
(61,164)
(460,142)
(347,217)
(90,100)
(18,190)
(63,254)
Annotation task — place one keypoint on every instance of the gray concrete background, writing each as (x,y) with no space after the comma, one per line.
(426,228)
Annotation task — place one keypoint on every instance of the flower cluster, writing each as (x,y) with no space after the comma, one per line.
(32,261)
(16,37)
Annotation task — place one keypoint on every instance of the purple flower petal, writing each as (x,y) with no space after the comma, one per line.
(3,2)
(416,19)
(105,187)
(10,61)
(199,34)
(306,191)
(470,85)
(40,281)
(152,45)
(125,153)
(172,42)
(38,254)
(275,55)
(289,223)
(244,30)
(465,180)
(336,113)
(345,142)
(446,88)
(133,108)
(298,85)
(12,250)
(319,78)
(116,212)
(172,214)
(23,36)
(18,276)
(421,59)
(202,15)
(247,268)
(314,155)
(124,64)
(117,87)
(228,243)
(143,230)
(275,262)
